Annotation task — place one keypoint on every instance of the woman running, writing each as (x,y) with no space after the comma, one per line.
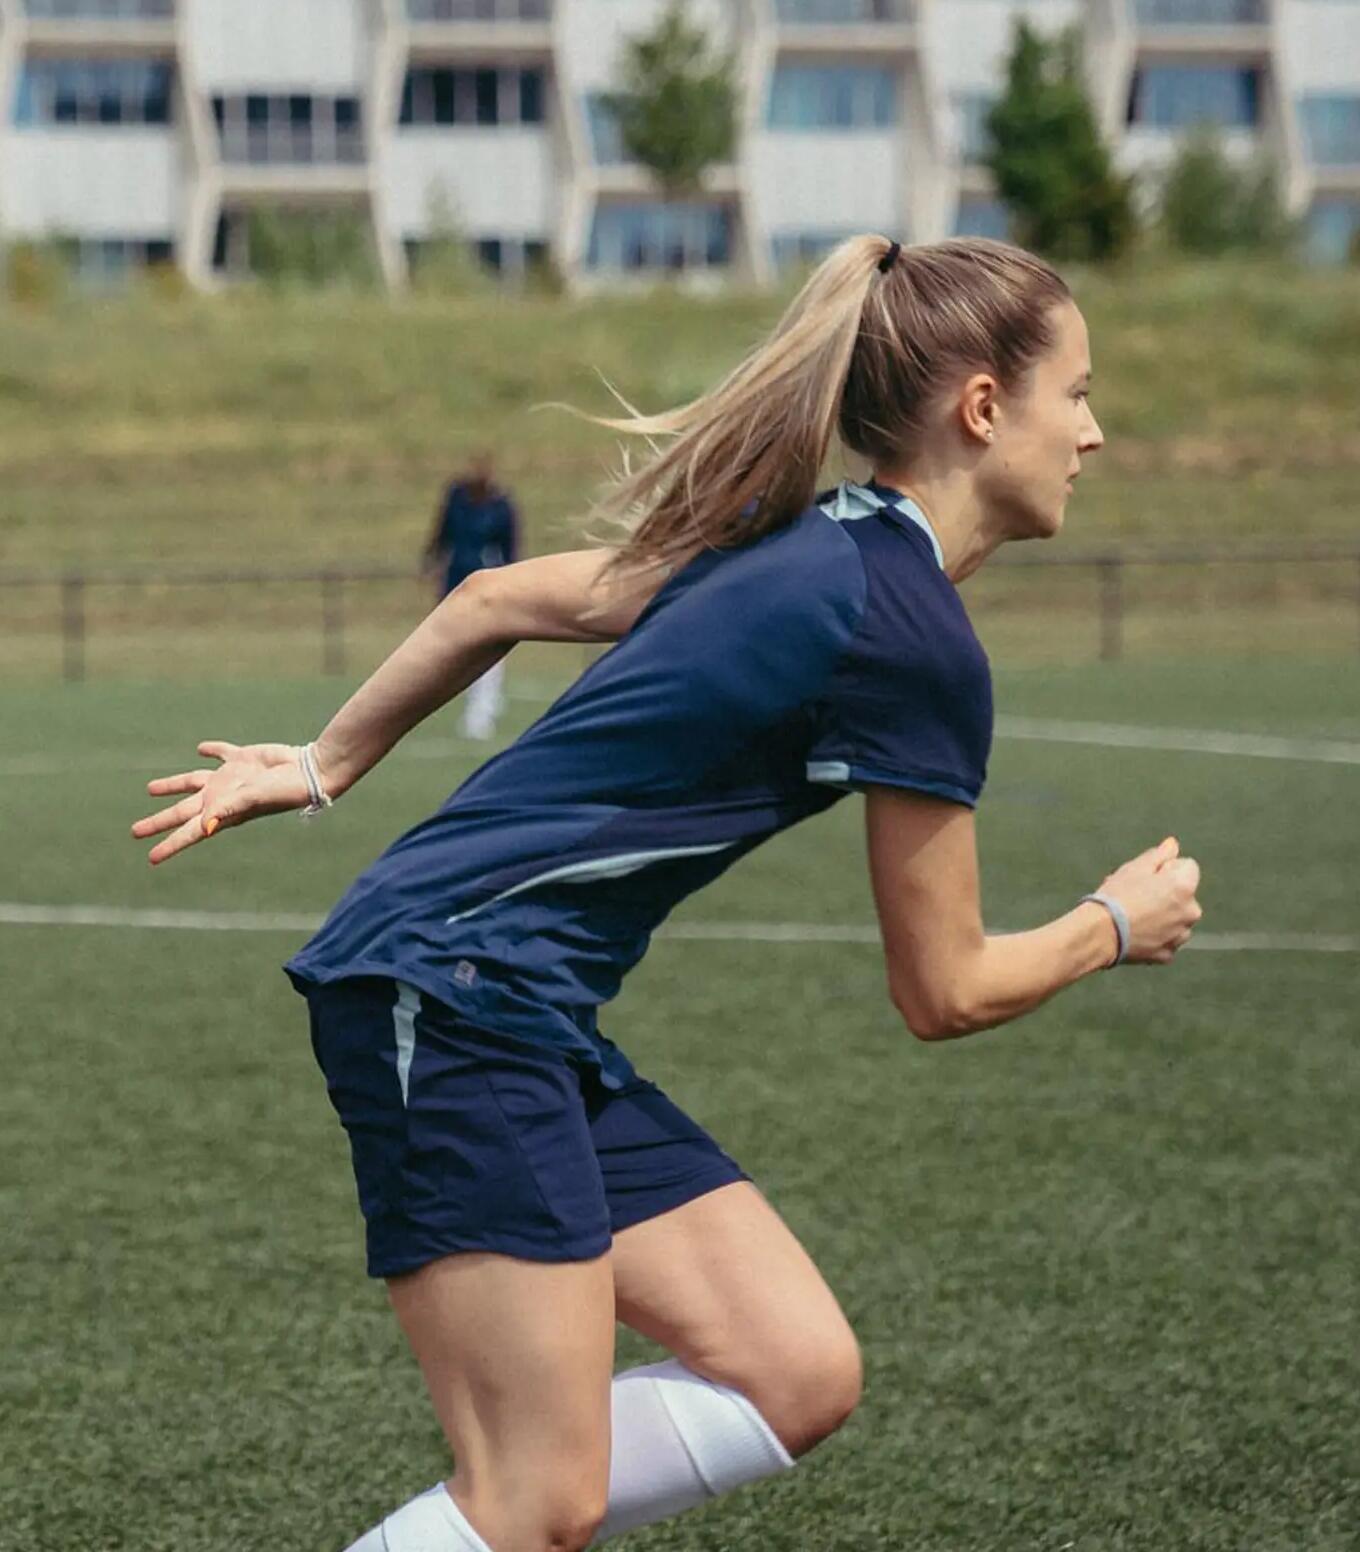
(523,1187)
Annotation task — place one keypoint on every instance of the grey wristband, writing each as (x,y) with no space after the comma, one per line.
(1120,917)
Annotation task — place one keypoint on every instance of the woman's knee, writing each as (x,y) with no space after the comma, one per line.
(556,1512)
(804,1390)
(570,1526)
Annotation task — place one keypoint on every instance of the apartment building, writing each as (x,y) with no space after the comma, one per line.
(142,131)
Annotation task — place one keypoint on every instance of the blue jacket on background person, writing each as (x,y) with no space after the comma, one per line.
(477,526)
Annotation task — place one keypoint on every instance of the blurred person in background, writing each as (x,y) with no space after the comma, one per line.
(524,1187)
(477,526)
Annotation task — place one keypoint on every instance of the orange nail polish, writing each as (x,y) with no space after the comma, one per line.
(210,825)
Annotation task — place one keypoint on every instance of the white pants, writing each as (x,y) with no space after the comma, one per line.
(483,701)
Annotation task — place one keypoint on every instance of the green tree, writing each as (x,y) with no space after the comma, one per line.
(677,104)
(1050,164)
(1210,206)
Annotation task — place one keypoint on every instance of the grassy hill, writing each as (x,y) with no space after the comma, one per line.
(263,429)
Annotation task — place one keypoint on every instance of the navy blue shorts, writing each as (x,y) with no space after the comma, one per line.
(467,1140)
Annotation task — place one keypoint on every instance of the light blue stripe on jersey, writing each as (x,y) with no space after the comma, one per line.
(852,502)
(619,866)
(404,1028)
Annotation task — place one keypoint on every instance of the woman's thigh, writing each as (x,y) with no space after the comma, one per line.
(517,1356)
(724,1284)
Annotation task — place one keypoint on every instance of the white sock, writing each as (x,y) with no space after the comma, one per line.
(679,1440)
(430,1523)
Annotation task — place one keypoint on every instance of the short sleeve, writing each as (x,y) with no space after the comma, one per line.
(910,702)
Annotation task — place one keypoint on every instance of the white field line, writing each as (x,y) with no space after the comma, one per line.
(19,915)
(1105,735)
(1117,735)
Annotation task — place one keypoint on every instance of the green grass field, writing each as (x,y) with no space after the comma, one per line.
(1103,1263)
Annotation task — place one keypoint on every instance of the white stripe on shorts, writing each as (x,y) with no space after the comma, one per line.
(404,1022)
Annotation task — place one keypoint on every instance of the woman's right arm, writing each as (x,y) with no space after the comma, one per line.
(567,598)
(570,597)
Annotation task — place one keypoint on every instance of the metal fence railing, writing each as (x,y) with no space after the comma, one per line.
(1027,603)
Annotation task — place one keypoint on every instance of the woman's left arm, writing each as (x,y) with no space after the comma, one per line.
(946,974)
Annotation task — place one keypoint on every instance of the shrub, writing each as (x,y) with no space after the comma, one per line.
(294,246)
(37,272)
(1210,206)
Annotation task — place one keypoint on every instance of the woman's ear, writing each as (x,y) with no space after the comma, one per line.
(978,407)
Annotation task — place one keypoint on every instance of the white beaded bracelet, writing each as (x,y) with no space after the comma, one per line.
(1120,917)
(319,798)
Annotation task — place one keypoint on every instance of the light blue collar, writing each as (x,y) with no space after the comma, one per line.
(851,502)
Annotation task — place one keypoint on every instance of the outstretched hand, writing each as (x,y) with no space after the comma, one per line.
(251,781)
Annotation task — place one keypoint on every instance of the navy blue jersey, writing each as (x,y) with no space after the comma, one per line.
(756,688)
(475,532)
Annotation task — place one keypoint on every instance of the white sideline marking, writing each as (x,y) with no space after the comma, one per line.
(1105,735)
(14,915)
(19,915)
(1118,735)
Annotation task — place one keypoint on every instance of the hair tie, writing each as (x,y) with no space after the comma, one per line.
(889,258)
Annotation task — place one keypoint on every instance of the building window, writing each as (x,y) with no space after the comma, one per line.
(606,138)
(833,97)
(100,10)
(645,235)
(100,263)
(95,91)
(1331,124)
(794,249)
(833,11)
(446,96)
(271,130)
(479,10)
(1180,96)
(981,217)
(1200,13)
(971,110)
(1334,231)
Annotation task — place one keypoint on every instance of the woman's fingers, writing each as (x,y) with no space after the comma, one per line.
(218,748)
(168,818)
(185,836)
(252,780)
(185,781)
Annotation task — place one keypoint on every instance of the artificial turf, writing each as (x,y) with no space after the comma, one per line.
(1103,1263)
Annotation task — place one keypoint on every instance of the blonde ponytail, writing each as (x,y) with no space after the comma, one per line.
(863,350)
(743,459)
